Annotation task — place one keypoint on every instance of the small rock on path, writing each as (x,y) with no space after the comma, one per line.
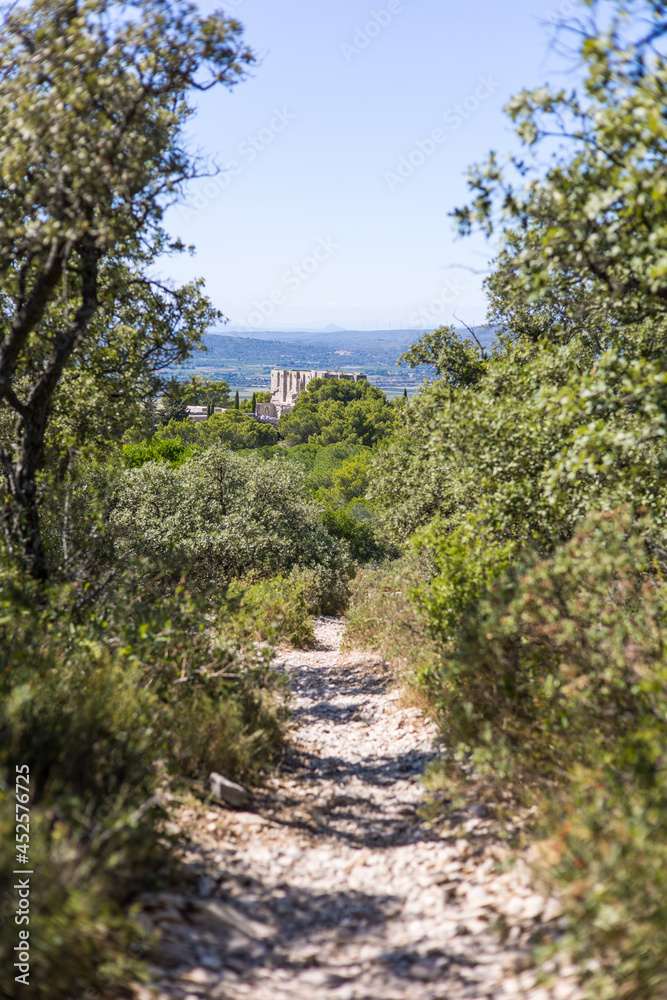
(335,888)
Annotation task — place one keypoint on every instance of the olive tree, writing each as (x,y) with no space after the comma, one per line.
(94,97)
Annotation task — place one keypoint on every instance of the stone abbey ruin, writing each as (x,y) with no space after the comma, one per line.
(286,384)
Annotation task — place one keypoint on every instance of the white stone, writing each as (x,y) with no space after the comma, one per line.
(228,791)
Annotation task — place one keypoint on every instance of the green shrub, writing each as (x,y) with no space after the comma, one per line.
(184,430)
(359,535)
(84,725)
(222,516)
(83,936)
(172,450)
(350,481)
(382,616)
(607,855)
(93,705)
(325,586)
(274,610)
(544,662)
(329,460)
(466,561)
(107,697)
(235,429)
(320,463)
(550,679)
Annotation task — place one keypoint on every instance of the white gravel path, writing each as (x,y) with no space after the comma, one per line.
(334,888)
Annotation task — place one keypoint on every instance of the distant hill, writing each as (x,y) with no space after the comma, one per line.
(246,350)
(354,340)
(246,362)
(232,351)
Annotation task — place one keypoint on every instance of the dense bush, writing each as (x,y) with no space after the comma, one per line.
(350,525)
(237,430)
(538,491)
(82,935)
(107,698)
(549,433)
(274,609)
(92,687)
(173,450)
(350,481)
(220,516)
(607,854)
(554,681)
(333,410)
(535,475)
(320,463)
(338,476)
(553,661)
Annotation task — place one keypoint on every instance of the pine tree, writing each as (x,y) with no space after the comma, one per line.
(405,394)
(253,402)
(236,400)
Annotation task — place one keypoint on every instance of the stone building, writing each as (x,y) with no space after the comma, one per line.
(286,385)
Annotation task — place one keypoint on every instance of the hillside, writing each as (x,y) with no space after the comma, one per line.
(245,362)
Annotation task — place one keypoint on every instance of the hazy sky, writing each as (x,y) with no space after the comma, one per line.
(345,152)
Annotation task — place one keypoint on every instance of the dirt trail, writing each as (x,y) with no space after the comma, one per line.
(333,888)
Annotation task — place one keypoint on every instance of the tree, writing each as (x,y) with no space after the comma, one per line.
(231,427)
(89,163)
(454,358)
(107,387)
(173,409)
(350,482)
(178,430)
(220,516)
(332,410)
(586,237)
(236,400)
(200,391)
(173,405)
(249,405)
(237,430)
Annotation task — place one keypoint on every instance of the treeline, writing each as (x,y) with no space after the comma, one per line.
(329,411)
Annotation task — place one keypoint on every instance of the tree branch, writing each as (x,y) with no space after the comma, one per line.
(29,314)
(482,350)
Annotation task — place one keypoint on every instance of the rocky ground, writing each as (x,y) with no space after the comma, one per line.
(333,887)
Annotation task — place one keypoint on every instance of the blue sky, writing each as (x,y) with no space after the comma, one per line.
(344,154)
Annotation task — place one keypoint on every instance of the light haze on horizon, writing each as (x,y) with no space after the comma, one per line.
(333,207)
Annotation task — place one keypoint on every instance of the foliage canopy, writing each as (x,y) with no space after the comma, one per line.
(89,162)
(333,410)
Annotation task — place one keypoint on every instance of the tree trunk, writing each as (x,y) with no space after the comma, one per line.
(23,491)
(22,467)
